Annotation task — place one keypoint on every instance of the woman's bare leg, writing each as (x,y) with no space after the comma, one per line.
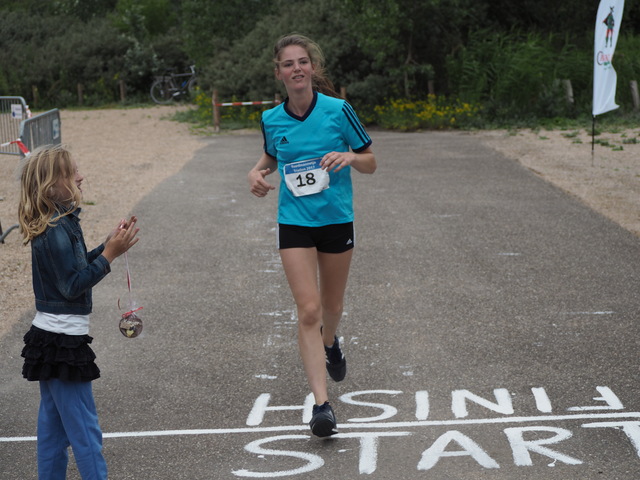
(301,268)
(334,272)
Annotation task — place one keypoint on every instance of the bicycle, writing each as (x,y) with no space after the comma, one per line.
(171,86)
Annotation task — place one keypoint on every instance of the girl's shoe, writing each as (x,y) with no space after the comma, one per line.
(336,363)
(323,421)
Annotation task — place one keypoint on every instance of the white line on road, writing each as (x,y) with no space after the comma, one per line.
(347,426)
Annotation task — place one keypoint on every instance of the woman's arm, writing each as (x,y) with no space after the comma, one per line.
(363,161)
(257,183)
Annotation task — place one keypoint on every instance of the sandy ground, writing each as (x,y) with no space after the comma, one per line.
(125,153)
(607,179)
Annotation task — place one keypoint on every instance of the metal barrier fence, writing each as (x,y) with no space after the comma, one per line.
(13,110)
(43,129)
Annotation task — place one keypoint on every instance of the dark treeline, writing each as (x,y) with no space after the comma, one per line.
(510,56)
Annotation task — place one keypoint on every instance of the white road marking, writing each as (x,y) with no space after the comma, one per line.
(353,426)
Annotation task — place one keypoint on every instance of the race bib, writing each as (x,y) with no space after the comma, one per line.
(306,177)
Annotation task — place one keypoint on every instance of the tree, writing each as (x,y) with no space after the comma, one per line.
(410,38)
(246,67)
(144,19)
(210,26)
(84,10)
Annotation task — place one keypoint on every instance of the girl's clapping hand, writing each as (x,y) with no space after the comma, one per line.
(121,239)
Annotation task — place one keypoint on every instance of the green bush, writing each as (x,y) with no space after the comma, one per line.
(626,62)
(515,75)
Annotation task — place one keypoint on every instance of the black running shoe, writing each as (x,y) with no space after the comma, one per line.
(323,421)
(336,363)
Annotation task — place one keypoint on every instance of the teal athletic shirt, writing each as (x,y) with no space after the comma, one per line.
(330,125)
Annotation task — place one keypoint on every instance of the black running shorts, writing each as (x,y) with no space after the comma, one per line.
(328,239)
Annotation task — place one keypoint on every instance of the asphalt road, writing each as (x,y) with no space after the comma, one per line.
(490,331)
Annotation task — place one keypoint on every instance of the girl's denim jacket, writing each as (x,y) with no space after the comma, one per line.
(63,271)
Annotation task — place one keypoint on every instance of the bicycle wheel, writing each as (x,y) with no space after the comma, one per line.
(161,91)
(192,87)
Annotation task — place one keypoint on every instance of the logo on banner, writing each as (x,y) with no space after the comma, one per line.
(604,59)
(610,22)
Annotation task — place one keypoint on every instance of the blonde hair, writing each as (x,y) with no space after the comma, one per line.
(38,196)
(320,80)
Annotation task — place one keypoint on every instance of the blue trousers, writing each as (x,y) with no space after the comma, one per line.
(68,416)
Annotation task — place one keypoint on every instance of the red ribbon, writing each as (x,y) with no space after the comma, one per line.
(124,315)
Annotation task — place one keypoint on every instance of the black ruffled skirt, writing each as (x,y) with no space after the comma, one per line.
(55,355)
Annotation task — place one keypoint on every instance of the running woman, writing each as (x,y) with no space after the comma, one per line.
(314,139)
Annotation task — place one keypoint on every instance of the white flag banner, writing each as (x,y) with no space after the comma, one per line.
(604,76)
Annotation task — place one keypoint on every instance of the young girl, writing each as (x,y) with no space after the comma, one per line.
(57,352)
(314,140)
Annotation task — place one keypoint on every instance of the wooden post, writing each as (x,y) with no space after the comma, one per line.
(568,90)
(34,93)
(123,91)
(431,87)
(216,111)
(343,92)
(80,94)
(634,94)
